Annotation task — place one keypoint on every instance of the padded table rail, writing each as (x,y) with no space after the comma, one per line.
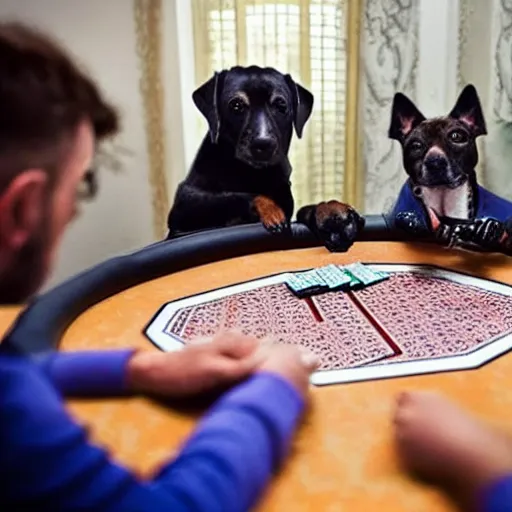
(40,327)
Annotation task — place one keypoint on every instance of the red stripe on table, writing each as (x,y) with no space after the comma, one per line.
(314,309)
(376,324)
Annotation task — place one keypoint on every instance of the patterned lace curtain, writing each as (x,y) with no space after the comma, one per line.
(306,38)
(485,59)
(389,50)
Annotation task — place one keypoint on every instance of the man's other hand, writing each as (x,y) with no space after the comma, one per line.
(202,366)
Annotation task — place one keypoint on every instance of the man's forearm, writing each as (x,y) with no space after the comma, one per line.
(87,373)
(224,467)
(230,458)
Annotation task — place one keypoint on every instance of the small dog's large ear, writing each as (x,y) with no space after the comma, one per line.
(206,99)
(302,104)
(404,117)
(469,110)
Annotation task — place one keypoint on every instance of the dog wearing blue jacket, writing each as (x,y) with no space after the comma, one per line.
(441,195)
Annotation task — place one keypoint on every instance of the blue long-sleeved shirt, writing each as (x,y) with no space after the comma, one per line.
(47,462)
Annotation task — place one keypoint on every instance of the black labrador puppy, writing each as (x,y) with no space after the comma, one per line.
(241,173)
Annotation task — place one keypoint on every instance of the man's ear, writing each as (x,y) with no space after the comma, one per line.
(206,98)
(404,117)
(469,110)
(302,101)
(22,208)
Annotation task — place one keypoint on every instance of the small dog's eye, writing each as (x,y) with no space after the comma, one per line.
(416,145)
(280,105)
(458,137)
(237,105)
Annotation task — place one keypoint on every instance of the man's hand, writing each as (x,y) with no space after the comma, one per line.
(292,364)
(202,366)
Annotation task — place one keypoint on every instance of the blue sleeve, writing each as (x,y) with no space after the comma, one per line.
(87,373)
(491,205)
(46,461)
(498,496)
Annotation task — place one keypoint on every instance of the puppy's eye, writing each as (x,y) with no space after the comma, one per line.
(459,137)
(280,105)
(237,105)
(416,145)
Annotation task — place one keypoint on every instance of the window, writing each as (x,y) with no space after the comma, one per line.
(306,38)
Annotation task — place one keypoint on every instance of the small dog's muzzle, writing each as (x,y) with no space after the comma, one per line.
(436,164)
(263,149)
(436,171)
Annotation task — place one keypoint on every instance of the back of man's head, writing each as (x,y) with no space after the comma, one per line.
(44,100)
(43,97)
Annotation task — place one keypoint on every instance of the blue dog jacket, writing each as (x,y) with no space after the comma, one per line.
(488,205)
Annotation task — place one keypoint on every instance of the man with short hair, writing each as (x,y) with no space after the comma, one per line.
(52,117)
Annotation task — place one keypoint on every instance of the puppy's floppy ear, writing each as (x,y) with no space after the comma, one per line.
(405,116)
(469,110)
(302,101)
(206,99)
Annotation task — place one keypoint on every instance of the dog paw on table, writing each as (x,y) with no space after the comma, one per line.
(335,224)
(271,215)
(486,234)
(411,223)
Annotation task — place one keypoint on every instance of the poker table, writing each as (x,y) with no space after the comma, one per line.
(442,322)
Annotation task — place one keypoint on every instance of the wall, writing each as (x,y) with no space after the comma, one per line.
(102,34)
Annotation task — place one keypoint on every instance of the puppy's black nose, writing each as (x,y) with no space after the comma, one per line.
(436,163)
(263,149)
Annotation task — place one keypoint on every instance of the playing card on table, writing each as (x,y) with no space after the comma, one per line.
(365,274)
(306,283)
(335,277)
